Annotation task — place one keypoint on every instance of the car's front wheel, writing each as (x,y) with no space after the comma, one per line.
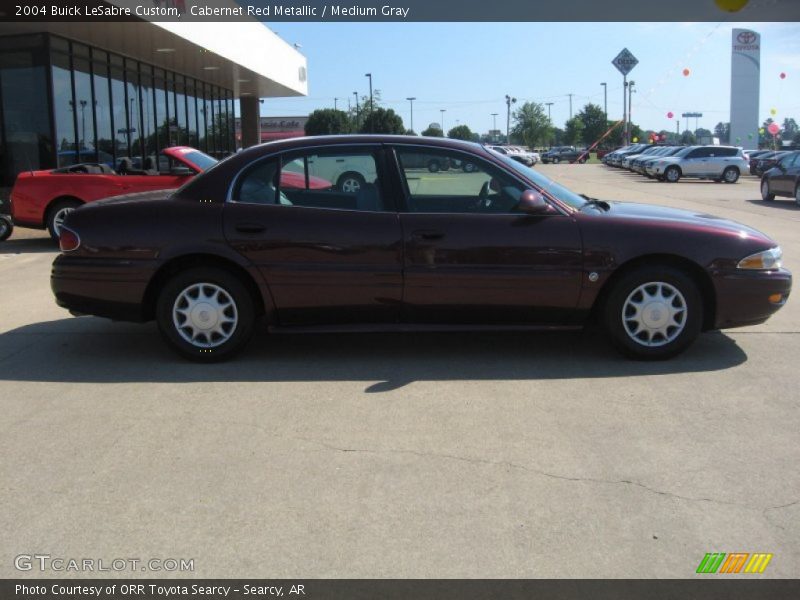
(205,314)
(766,195)
(672,174)
(730,175)
(654,313)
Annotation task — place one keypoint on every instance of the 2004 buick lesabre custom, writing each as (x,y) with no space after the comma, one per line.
(494,246)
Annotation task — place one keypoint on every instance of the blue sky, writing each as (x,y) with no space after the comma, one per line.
(468,68)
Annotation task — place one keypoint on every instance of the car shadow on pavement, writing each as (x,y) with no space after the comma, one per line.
(28,245)
(93,350)
(782,203)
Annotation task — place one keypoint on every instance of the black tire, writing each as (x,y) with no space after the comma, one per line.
(469,167)
(730,175)
(797,194)
(56,213)
(213,350)
(582,160)
(766,194)
(350,182)
(672,174)
(616,308)
(660,177)
(434,166)
(6,227)
(556,160)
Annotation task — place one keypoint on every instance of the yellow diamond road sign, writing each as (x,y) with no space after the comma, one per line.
(625,61)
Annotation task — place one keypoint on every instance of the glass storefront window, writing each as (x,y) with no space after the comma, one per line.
(64,111)
(191,113)
(161,109)
(84,105)
(134,105)
(149,117)
(119,113)
(181,137)
(102,103)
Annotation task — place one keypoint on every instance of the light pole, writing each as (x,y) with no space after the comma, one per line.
(494,127)
(357,110)
(570,105)
(369,75)
(549,104)
(83,125)
(411,102)
(509,102)
(335,107)
(442,110)
(605,99)
(631,83)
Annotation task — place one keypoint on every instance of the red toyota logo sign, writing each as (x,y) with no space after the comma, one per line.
(746,37)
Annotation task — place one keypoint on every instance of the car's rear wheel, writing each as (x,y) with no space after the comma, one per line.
(654,313)
(797,194)
(672,174)
(766,195)
(434,166)
(730,175)
(469,167)
(205,314)
(6,227)
(57,214)
(350,182)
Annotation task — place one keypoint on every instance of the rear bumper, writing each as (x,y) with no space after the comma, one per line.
(112,288)
(743,297)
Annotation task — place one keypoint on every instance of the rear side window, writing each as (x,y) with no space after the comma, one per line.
(259,184)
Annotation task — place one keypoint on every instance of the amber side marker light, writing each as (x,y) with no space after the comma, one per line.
(68,240)
(777,299)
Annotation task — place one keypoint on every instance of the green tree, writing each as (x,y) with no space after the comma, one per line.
(687,137)
(433,132)
(327,121)
(410,132)
(723,132)
(532,125)
(383,120)
(573,132)
(594,123)
(461,132)
(790,128)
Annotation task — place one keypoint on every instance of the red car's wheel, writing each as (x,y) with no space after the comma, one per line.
(56,215)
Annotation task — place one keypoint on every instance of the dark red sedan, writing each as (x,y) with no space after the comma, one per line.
(500,246)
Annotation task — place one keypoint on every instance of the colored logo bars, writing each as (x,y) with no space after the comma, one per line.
(735,562)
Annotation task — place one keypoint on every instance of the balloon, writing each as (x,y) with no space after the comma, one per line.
(783,75)
(634,140)
(670,114)
(773,111)
(731,5)
(761,130)
(774,128)
(686,72)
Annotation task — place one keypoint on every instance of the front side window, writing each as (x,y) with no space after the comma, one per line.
(441,181)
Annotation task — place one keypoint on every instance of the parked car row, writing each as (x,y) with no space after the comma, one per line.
(519,154)
(762,161)
(672,163)
(783,179)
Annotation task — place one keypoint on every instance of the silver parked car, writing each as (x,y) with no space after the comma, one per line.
(720,163)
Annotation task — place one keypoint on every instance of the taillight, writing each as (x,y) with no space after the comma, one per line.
(68,240)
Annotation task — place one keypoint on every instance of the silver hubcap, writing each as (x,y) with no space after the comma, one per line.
(672,175)
(654,314)
(205,315)
(764,189)
(58,219)
(351,186)
(730,175)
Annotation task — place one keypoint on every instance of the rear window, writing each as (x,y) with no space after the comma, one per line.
(204,161)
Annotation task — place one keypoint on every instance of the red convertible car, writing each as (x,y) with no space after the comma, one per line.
(42,199)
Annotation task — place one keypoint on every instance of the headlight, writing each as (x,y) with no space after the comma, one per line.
(766,260)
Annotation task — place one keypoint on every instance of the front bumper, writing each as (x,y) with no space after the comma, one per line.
(112,288)
(746,297)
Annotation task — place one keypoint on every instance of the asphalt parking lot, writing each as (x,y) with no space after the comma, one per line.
(426,455)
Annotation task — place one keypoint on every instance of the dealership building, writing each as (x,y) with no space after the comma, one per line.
(99,91)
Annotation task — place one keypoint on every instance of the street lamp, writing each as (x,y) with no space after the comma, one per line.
(549,104)
(411,102)
(335,106)
(605,99)
(442,110)
(357,109)
(494,127)
(371,106)
(509,102)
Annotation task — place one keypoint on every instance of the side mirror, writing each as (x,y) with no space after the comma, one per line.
(533,203)
(181,171)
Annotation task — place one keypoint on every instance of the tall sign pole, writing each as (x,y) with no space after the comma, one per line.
(624,62)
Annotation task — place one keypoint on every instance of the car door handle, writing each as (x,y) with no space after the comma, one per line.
(427,234)
(250,227)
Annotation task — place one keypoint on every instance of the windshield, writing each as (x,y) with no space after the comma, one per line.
(544,183)
(203,161)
